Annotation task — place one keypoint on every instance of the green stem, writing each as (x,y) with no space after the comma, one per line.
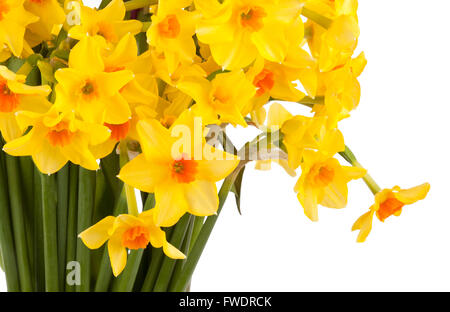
(6,234)
(139,4)
(39,266)
(165,274)
(63,207)
(155,265)
(27,174)
(71,245)
(186,247)
(105,272)
(351,159)
(196,252)
(317,18)
(18,220)
(125,282)
(198,225)
(49,208)
(86,203)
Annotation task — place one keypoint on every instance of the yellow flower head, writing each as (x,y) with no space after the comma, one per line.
(57,138)
(13,21)
(324,182)
(128,232)
(50,13)
(341,90)
(228,95)
(338,43)
(90,90)
(15,96)
(106,24)
(388,202)
(179,167)
(171,33)
(239,30)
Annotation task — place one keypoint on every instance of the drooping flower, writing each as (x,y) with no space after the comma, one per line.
(87,88)
(55,139)
(171,33)
(15,96)
(182,172)
(239,30)
(128,232)
(13,21)
(107,24)
(388,202)
(225,98)
(324,180)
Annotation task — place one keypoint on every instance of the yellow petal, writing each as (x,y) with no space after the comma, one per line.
(86,57)
(117,255)
(95,236)
(217,169)
(335,194)
(277,115)
(364,225)
(414,194)
(143,174)
(308,199)
(202,198)
(156,141)
(171,204)
(172,252)
(9,128)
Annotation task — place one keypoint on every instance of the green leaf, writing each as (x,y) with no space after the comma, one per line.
(46,71)
(236,189)
(14,64)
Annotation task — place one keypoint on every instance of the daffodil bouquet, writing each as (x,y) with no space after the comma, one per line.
(113,124)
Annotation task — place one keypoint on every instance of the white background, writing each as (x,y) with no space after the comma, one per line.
(400,133)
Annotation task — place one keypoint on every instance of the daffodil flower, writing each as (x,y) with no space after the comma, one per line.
(240,30)
(13,21)
(55,139)
(182,179)
(16,96)
(107,25)
(225,98)
(171,33)
(89,89)
(388,202)
(127,232)
(324,182)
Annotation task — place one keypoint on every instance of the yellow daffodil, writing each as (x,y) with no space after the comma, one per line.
(388,202)
(13,21)
(107,24)
(57,138)
(342,91)
(182,177)
(15,96)
(238,30)
(224,98)
(338,43)
(323,180)
(273,80)
(128,232)
(50,13)
(86,87)
(171,33)
(300,133)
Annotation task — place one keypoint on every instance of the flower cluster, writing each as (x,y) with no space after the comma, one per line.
(147,71)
